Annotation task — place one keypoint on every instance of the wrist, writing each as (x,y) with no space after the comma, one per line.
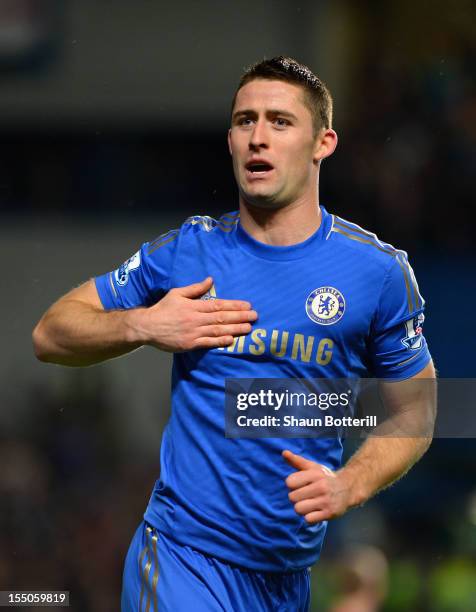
(134,328)
(354,483)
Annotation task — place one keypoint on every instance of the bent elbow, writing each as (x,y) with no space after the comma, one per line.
(40,343)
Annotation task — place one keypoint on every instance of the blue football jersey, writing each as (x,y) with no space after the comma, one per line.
(340,304)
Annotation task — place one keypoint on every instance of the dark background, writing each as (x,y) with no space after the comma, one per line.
(113,119)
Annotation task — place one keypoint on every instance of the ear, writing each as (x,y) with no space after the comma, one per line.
(326,143)
(229,141)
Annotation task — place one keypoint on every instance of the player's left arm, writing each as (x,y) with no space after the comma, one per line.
(320,494)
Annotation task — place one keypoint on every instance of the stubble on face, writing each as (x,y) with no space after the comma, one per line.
(272,124)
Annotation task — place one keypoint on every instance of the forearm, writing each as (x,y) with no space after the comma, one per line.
(398,442)
(378,463)
(74,333)
(77,331)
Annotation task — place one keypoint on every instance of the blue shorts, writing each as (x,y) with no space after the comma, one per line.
(163,576)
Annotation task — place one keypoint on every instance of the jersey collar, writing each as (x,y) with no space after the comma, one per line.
(285,253)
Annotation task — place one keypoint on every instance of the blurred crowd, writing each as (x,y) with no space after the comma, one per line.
(71,499)
(409,133)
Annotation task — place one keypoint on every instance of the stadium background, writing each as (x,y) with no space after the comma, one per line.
(113,118)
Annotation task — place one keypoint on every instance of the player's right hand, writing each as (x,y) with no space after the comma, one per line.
(182,322)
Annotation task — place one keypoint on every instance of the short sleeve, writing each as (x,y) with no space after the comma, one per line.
(397,345)
(141,280)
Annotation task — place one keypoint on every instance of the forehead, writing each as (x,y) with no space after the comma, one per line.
(262,94)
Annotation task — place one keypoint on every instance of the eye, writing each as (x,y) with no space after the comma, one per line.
(281,122)
(244,121)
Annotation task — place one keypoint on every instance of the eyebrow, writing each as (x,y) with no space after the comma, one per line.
(273,112)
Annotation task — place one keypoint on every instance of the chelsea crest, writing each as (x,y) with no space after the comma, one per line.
(325,305)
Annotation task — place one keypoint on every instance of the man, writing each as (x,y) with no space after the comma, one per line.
(288,290)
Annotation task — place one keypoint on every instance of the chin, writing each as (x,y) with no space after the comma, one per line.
(263,201)
(261,197)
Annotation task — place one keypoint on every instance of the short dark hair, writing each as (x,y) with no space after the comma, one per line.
(317,96)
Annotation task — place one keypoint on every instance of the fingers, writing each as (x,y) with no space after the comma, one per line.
(217,331)
(220,335)
(209,343)
(219,305)
(314,509)
(296,480)
(192,323)
(196,290)
(297,461)
(228,317)
(311,490)
(309,505)
(317,517)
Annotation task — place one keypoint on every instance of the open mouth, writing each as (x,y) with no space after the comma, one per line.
(258,168)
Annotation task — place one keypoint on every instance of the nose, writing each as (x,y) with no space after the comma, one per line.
(259,136)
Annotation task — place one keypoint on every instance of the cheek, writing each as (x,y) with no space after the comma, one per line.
(297,152)
(236,155)
(234,145)
(297,165)
(302,160)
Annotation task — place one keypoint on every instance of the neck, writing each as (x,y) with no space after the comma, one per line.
(285,226)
